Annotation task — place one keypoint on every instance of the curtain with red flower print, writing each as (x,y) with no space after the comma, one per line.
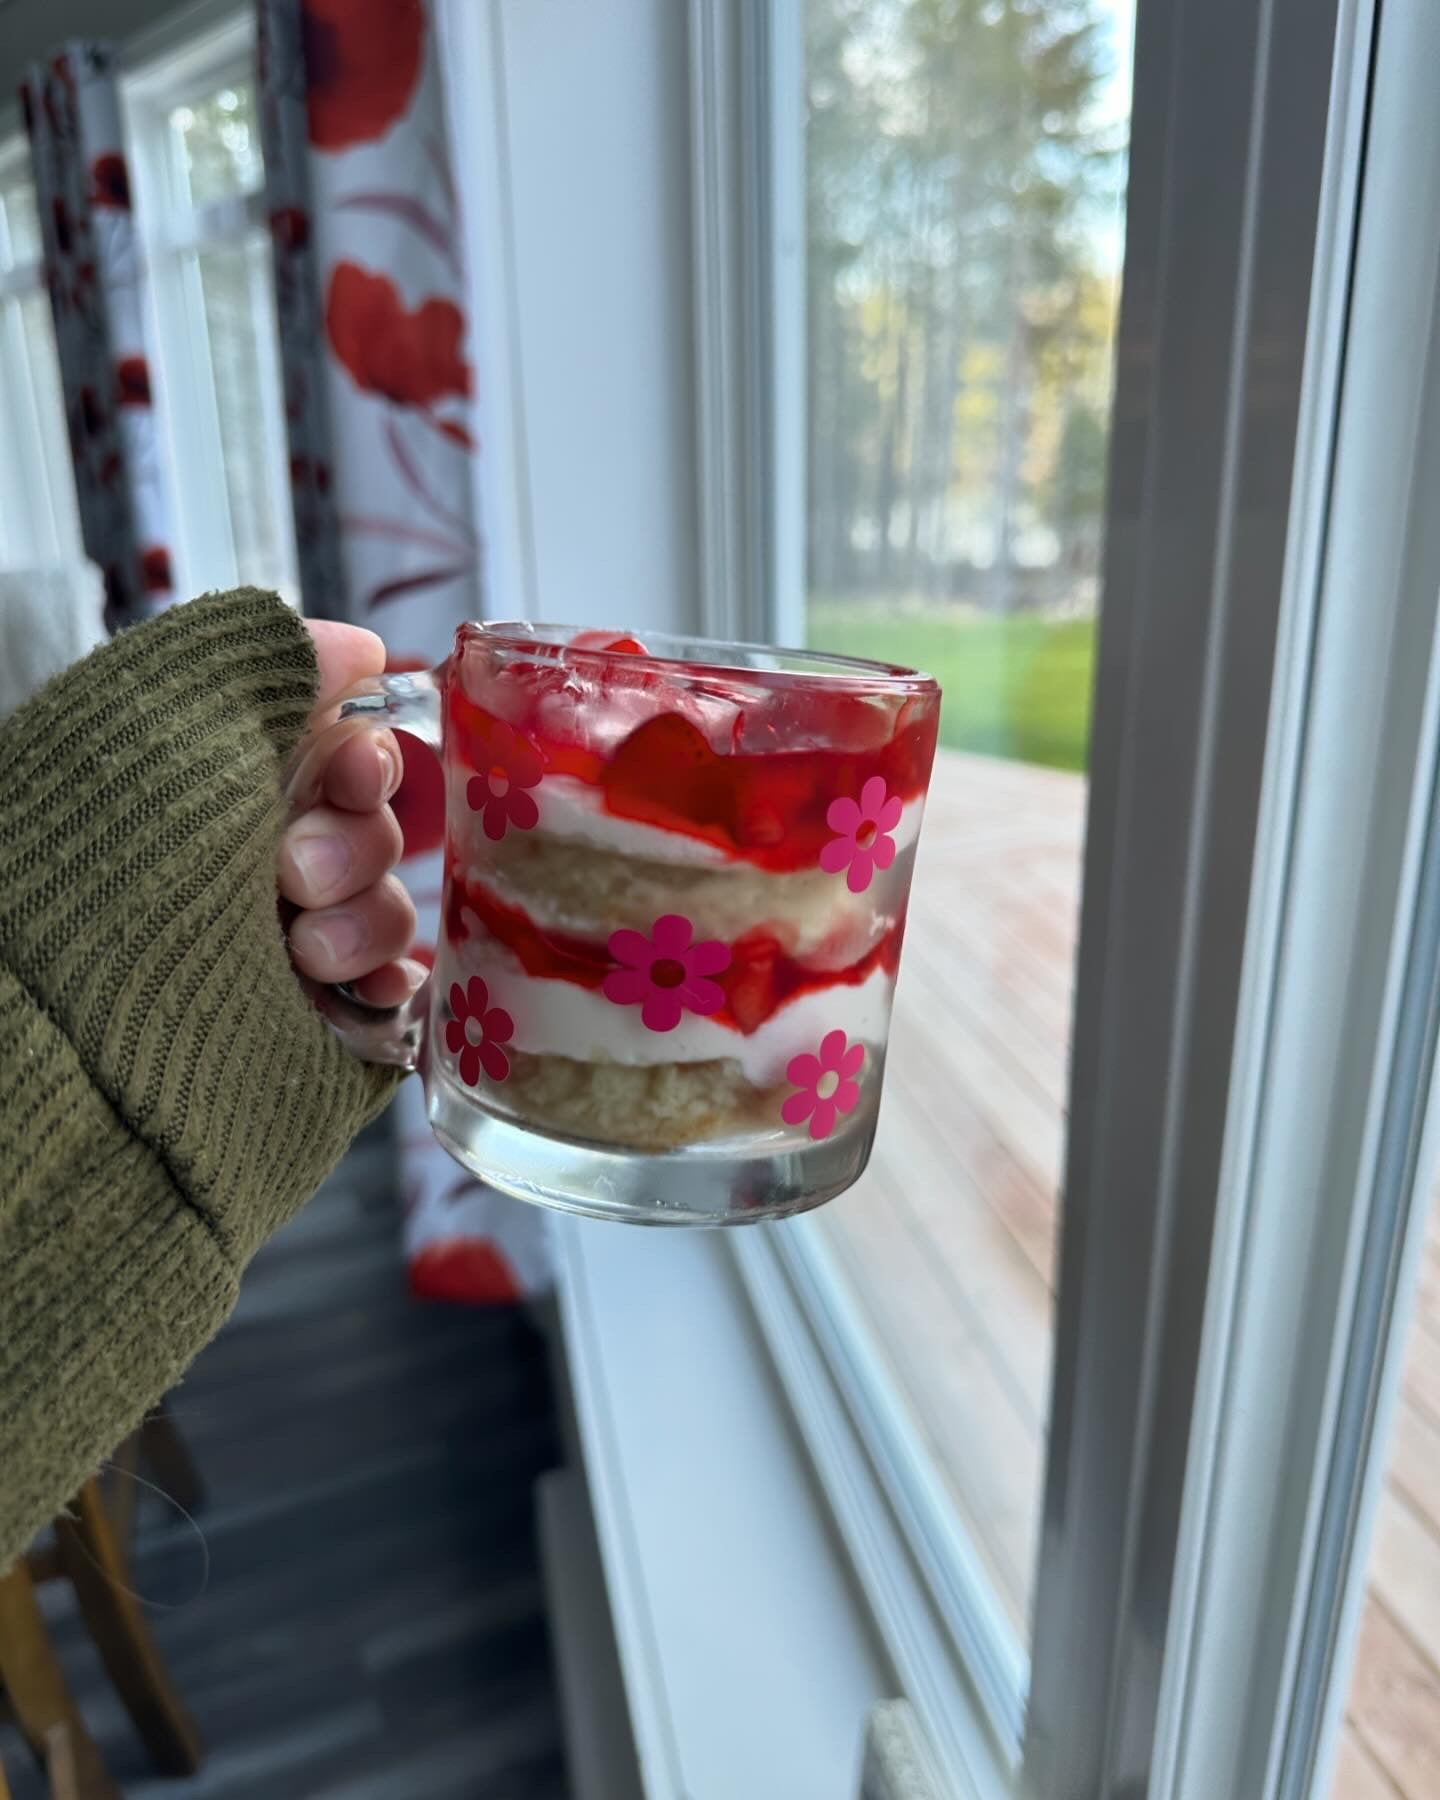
(71,110)
(371,300)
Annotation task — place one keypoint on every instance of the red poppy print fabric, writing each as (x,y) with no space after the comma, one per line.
(93,274)
(408,355)
(376,356)
(374,330)
(362,64)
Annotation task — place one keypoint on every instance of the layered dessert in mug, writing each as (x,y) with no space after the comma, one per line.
(675,891)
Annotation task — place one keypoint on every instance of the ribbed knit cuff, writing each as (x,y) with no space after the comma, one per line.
(139,823)
(109,1279)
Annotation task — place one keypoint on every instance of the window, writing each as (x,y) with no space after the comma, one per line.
(1167,954)
(39,524)
(195,137)
(963,179)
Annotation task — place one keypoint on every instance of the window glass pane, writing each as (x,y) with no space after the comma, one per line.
(234,281)
(39,523)
(219,352)
(1390,1739)
(20,236)
(219,144)
(965,175)
(57,517)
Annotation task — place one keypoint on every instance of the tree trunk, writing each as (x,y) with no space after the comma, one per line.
(1012,437)
(888,475)
(822,423)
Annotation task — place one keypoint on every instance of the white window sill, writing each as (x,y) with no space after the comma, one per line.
(748,1657)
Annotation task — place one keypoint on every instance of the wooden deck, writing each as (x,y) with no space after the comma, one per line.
(951,1237)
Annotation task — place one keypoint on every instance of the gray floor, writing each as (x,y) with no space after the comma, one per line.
(364,1619)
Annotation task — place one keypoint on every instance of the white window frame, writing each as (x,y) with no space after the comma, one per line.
(218,53)
(1310,1304)
(49,523)
(1242,213)
(748,214)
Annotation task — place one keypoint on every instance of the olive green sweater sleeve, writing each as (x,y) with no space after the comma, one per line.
(168,1096)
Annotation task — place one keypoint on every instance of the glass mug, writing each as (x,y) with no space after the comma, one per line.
(675,887)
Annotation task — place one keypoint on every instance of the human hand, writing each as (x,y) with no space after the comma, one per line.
(354,921)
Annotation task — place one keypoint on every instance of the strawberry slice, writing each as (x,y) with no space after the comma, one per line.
(666,774)
(751,986)
(607,640)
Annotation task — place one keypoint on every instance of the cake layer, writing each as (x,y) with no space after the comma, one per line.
(575,888)
(658,1108)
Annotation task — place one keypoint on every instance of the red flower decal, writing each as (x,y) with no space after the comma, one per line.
(498,794)
(665,973)
(290,227)
(864,843)
(155,567)
(110,182)
(362,63)
(412,358)
(132,381)
(826,1084)
(477,1031)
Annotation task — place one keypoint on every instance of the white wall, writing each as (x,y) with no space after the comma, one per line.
(588,208)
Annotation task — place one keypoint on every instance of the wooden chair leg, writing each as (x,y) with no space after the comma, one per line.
(119,1485)
(36,1690)
(100,1577)
(60,1764)
(170,1460)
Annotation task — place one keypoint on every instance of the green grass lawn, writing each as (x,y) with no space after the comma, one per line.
(1016,687)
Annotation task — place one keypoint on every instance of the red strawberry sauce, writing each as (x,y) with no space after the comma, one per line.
(760,980)
(765,807)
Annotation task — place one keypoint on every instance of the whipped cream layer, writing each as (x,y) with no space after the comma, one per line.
(559,1018)
(574,811)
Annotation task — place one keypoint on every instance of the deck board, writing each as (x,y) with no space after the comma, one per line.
(951,1236)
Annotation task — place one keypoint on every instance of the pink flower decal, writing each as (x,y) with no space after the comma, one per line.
(498,794)
(477,1031)
(864,843)
(826,1083)
(665,974)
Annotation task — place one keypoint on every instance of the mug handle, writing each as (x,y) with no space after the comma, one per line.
(391,1035)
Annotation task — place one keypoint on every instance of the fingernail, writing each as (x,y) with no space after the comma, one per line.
(322,860)
(341,934)
(393,765)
